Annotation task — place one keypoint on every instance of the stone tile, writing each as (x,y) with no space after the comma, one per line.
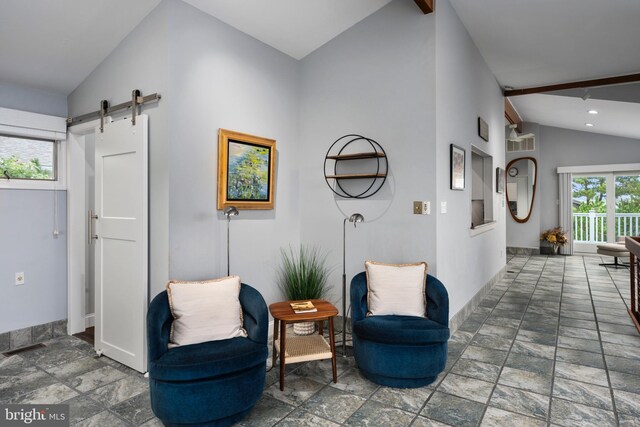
(576,315)
(14,387)
(617,319)
(586,394)
(468,388)
(622,364)
(543,328)
(578,333)
(536,337)
(49,357)
(5,342)
(60,328)
(593,346)
(533,349)
(453,410)
(42,333)
(526,380)
(383,416)
(498,417)
(571,414)
(622,350)
(531,364)
(476,369)
(407,399)
(333,404)
(495,357)
(300,418)
(619,329)
(630,340)
(82,407)
(461,337)
(321,370)
(627,403)
(13,366)
(493,342)
(136,410)
(520,401)
(104,418)
(580,357)
(626,382)
(352,381)
(578,323)
(581,373)
(497,320)
(426,422)
(267,412)
(153,422)
(297,390)
(627,420)
(75,368)
(499,331)
(119,391)
(94,379)
(20,338)
(51,394)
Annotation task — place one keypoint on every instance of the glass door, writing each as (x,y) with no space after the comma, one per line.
(589,199)
(627,208)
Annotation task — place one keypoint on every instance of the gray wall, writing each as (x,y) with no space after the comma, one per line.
(527,234)
(26,233)
(564,147)
(376,79)
(29,246)
(466,90)
(222,78)
(140,62)
(33,100)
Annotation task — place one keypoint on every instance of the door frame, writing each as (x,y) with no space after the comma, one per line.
(77,225)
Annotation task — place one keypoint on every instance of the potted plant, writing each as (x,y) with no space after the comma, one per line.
(303,275)
(556,237)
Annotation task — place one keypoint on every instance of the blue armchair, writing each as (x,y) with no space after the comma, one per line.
(400,351)
(213,383)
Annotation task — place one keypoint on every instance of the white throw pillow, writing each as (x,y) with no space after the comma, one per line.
(205,311)
(396,289)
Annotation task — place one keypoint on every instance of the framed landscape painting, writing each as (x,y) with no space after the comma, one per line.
(245,170)
(457,167)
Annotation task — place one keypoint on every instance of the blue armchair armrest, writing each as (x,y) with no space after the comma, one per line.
(159,319)
(359,305)
(255,314)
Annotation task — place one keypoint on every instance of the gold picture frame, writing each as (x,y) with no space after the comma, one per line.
(246,165)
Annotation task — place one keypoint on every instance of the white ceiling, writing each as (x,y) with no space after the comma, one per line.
(533,43)
(295,27)
(54,45)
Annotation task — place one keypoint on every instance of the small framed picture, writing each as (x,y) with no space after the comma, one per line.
(499,180)
(246,166)
(483,129)
(457,167)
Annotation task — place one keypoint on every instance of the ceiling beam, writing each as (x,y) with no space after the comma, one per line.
(605,81)
(512,115)
(427,6)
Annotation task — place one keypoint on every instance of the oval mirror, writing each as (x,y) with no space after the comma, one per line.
(521,187)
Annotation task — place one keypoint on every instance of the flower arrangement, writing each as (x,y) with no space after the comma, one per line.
(556,237)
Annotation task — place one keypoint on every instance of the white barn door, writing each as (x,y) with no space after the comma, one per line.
(121,255)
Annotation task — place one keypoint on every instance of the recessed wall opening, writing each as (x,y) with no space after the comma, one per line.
(481,188)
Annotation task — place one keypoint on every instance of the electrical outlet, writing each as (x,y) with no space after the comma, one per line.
(422,208)
(19,278)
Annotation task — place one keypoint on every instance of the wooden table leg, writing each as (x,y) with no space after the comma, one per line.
(283,334)
(333,350)
(275,338)
(320,327)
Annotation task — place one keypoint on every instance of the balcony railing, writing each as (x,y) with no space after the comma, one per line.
(592,227)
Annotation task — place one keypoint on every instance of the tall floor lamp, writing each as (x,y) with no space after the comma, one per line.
(229,212)
(355,219)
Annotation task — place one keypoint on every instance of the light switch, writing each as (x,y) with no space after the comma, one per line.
(443,207)
(422,208)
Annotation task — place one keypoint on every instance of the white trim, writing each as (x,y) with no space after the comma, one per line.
(623,167)
(90,320)
(33,125)
(482,228)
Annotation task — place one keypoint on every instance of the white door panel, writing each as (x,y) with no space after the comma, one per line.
(121,261)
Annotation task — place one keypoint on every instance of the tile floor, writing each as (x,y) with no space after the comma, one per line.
(550,345)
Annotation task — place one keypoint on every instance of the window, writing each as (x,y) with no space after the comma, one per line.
(27,158)
(481,188)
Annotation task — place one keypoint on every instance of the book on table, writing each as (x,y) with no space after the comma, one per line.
(303,307)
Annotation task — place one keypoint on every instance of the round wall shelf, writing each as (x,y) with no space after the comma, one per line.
(355,167)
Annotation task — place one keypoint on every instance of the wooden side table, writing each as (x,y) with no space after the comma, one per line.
(297,349)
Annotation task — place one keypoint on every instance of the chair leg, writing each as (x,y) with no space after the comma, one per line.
(615,263)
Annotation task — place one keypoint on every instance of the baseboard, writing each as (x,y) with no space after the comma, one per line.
(469,307)
(25,337)
(511,250)
(89,320)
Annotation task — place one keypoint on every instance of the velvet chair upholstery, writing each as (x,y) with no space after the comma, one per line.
(213,383)
(400,351)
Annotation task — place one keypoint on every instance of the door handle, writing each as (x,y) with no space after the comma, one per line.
(90,218)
